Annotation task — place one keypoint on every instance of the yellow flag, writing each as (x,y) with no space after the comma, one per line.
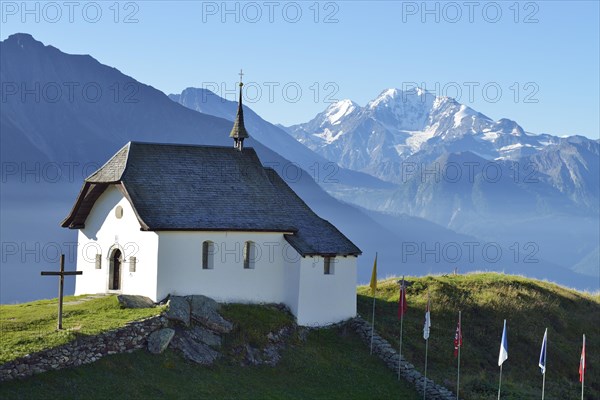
(373,283)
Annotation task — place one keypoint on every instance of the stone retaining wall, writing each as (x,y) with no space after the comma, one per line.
(386,352)
(84,350)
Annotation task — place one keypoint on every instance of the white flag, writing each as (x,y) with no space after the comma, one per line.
(427,321)
(542,363)
(503,347)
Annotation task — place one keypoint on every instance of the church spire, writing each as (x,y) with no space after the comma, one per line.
(238,132)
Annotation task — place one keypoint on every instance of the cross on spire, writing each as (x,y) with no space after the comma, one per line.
(238,132)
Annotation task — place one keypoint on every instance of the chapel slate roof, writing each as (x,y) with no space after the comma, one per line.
(208,188)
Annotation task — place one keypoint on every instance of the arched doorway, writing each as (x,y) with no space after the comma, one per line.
(114,278)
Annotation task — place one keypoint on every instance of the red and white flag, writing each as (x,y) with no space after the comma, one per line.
(402,306)
(582,362)
(458,339)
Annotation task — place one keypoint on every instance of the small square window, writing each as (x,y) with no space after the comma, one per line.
(328,265)
(132,264)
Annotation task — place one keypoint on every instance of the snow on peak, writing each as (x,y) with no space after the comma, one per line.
(385,97)
(462,113)
(336,111)
(392,97)
(391,93)
(417,91)
(420,92)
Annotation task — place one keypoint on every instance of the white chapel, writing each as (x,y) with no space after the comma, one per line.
(159,219)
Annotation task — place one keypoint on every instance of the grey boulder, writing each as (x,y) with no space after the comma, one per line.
(206,311)
(194,350)
(134,301)
(178,309)
(206,336)
(158,341)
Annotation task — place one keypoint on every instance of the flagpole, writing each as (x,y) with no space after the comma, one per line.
(402,298)
(426,332)
(400,348)
(425,380)
(583,370)
(373,323)
(500,383)
(459,346)
(543,384)
(373,285)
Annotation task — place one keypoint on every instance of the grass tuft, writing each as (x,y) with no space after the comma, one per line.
(253,323)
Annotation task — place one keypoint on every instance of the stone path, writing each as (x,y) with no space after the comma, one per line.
(383,350)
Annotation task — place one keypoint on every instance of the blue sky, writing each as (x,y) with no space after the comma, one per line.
(536,62)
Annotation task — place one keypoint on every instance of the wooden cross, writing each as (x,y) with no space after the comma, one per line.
(62,275)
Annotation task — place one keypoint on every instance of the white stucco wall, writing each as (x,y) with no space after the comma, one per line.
(103,232)
(180,266)
(280,275)
(325,299)
(292,261)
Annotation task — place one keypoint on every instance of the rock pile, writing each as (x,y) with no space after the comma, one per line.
(197,328)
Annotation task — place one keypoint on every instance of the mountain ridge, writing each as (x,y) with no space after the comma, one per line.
(82,135)
(462,170)
(405,122)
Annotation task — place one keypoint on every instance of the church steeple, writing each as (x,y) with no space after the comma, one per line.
(238,132)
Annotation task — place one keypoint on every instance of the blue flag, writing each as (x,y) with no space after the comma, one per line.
(503,356)
(542,363)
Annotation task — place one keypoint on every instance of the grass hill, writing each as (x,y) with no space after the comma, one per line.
(485,300)
(332,364)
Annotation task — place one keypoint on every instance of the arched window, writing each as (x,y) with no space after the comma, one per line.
(208,254)
(114,277)
(249,255)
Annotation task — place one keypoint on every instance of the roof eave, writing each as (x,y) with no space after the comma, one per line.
(67,222)
(170,229)
(331,254)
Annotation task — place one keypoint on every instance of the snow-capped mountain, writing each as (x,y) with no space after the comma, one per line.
(398,125)
(460,169)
